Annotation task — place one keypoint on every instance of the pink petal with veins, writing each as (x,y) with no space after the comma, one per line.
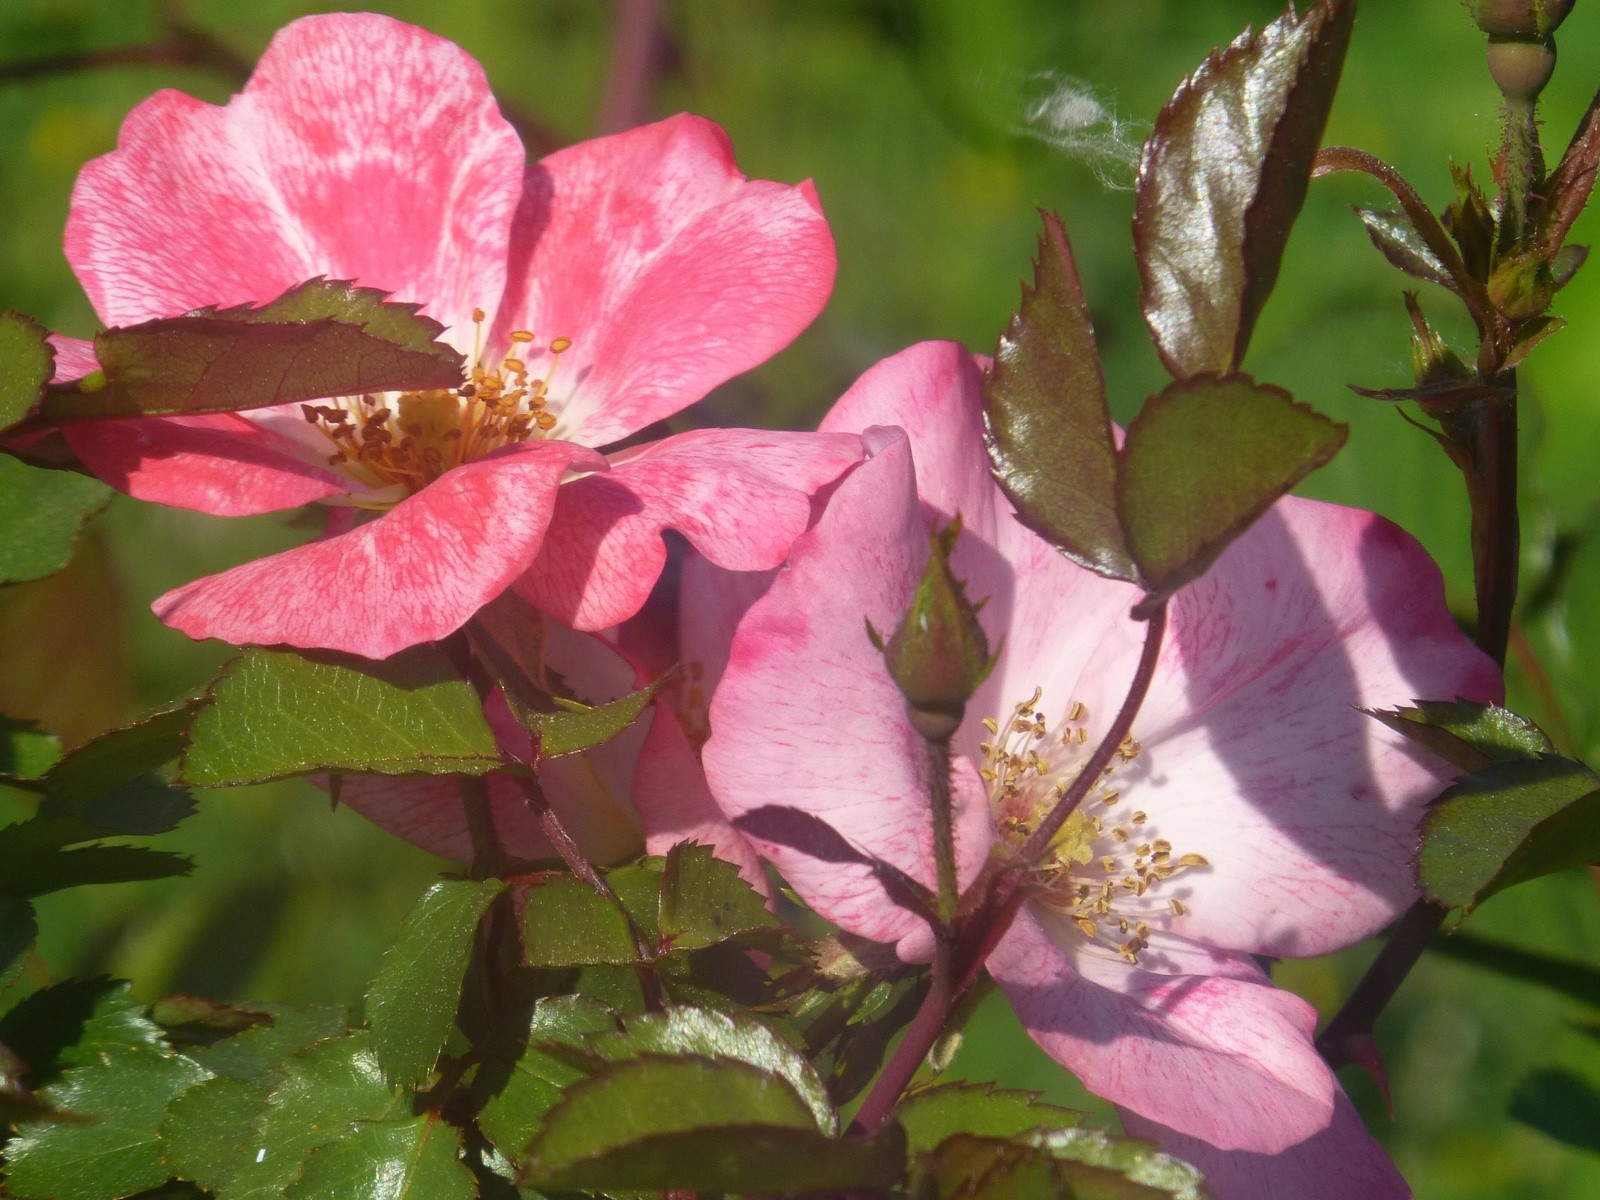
(414,574)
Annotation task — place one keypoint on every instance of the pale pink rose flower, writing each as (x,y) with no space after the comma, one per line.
(624,277)
(1255,811)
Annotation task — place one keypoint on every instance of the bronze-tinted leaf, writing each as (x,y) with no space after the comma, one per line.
(324,338)
(1222,179)
(1047,427)
(1203,460)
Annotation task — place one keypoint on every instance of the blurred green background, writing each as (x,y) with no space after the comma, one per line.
(914,120)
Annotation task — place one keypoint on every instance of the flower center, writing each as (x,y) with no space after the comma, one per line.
(1103,872)
(409,439)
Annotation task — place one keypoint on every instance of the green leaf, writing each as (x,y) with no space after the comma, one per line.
(28,872)
(1566,190)
(1203,460)
(27,361)
(704,901)
(86,780)
(69,1024)
(987,1168)
(566,923)
(18,929)
(990,1169)
(1222,179)
(276,713)
(1470,736)
(1560,1105)
(41,513)
(1048,427)
(324,338)
(1147,1172)
(417,1159)
(259,1054)
(936,1113)
(121,1074)
(412,1002)
(707,1033)
(1398,240)
(560,726)
(26,753)
(204,1130)
(654,1123)
(325,1091)
(514,1113)
(18,1103)
(1506,824)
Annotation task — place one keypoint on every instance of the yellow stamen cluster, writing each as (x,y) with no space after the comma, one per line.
(413,438)
(1100,871)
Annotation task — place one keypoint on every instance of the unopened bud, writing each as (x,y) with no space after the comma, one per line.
(1521,69)
(1520,20)
(939,655)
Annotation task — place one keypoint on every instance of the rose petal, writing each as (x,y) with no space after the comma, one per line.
(669,270)
(74,357)
(740,496)
(1339,1163)
(588,791)
(1222,1057)
(362,148)
(220,464)
(413,575)
(811,753)
(1255,752)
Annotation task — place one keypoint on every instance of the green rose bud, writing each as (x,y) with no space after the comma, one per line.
(1520,20)
(939,655)
(1521,69)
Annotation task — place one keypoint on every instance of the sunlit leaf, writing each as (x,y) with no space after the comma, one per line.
(1222,179)
(1048,428)
(563,726)
(1138,1162)
(704,1032)
(324,1093)
(25,752)
(121,1074)
(1203,460)
(1508,823)
(41,513)
(651,1123)
(566,923)
(1397,238)
(27,361)
(1471,736)
(936,1113)
(324,338)
(412,1003)
(276,713)
(704,901)
(415,1159)
(204,1129)
(513,1114)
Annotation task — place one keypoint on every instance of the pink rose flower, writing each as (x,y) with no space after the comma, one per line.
(642,791)
(1254,810)
(594,292)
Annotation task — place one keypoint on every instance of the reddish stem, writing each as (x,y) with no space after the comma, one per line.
(960,952)
(1039,840)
